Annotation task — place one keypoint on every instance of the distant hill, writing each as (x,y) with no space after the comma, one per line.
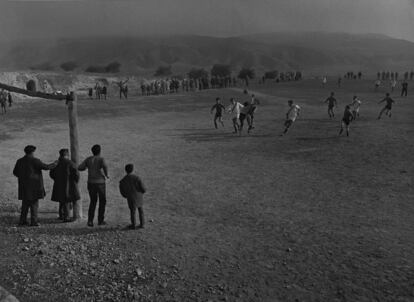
(312,52)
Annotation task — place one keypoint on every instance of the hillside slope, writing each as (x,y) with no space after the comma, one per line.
(312,52)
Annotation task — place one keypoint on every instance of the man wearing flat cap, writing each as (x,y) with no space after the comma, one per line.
(28,170)
(65,186)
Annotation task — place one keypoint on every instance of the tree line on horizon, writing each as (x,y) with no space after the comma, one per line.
(245,74)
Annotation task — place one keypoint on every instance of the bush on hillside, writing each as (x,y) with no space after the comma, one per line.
(69,66)
(198,73)
(42,66)
(163,71)
(112,67)
(95,69)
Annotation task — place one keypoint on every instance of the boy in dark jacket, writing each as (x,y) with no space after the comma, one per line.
(132,188)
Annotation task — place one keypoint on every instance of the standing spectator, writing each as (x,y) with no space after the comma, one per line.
(65,186)
(132,188)
(3,102)
(10,99)
(404,90)
(104,91)
(97,175)
(28,171)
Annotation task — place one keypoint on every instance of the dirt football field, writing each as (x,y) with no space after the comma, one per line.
(309,216)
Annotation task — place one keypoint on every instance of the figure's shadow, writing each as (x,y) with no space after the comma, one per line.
(305,139)
(52,226)
(214,135)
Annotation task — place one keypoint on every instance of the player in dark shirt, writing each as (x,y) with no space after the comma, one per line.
(219,108)
(388,106)
(331,104)
(346,120)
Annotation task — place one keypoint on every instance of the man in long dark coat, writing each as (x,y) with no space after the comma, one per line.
(28,170)
(65,186)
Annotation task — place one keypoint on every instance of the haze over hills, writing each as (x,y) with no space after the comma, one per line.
(312,52)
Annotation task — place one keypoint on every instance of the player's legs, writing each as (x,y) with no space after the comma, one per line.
(381,112)
(242,118)
(235,125)
(342,128)
(330,112)
(288,124)
(249,122)
(215,121)
(347,129)
(221,120)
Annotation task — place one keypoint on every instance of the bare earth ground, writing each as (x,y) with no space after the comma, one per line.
(306,217)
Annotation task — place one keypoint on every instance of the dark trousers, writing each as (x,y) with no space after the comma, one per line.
(64,209)
(133,210)
(97,191)
(33,205)
(404,92)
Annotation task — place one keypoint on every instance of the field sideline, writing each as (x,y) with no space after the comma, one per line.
(309,216)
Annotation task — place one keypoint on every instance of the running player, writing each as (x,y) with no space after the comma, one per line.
(244,115)
(234,110)
(253,108)
(346,120)
(218,107)
(291,116)
(356,103)
(388,106)
(331,104)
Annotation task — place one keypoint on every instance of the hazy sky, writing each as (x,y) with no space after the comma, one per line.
(60,18)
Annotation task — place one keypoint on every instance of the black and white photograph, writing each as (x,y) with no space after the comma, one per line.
(206,150)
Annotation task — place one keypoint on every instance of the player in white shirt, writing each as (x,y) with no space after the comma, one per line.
(377,84)
(291,115)
(355,105)
(234,110)
(324,81)
(393,84)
